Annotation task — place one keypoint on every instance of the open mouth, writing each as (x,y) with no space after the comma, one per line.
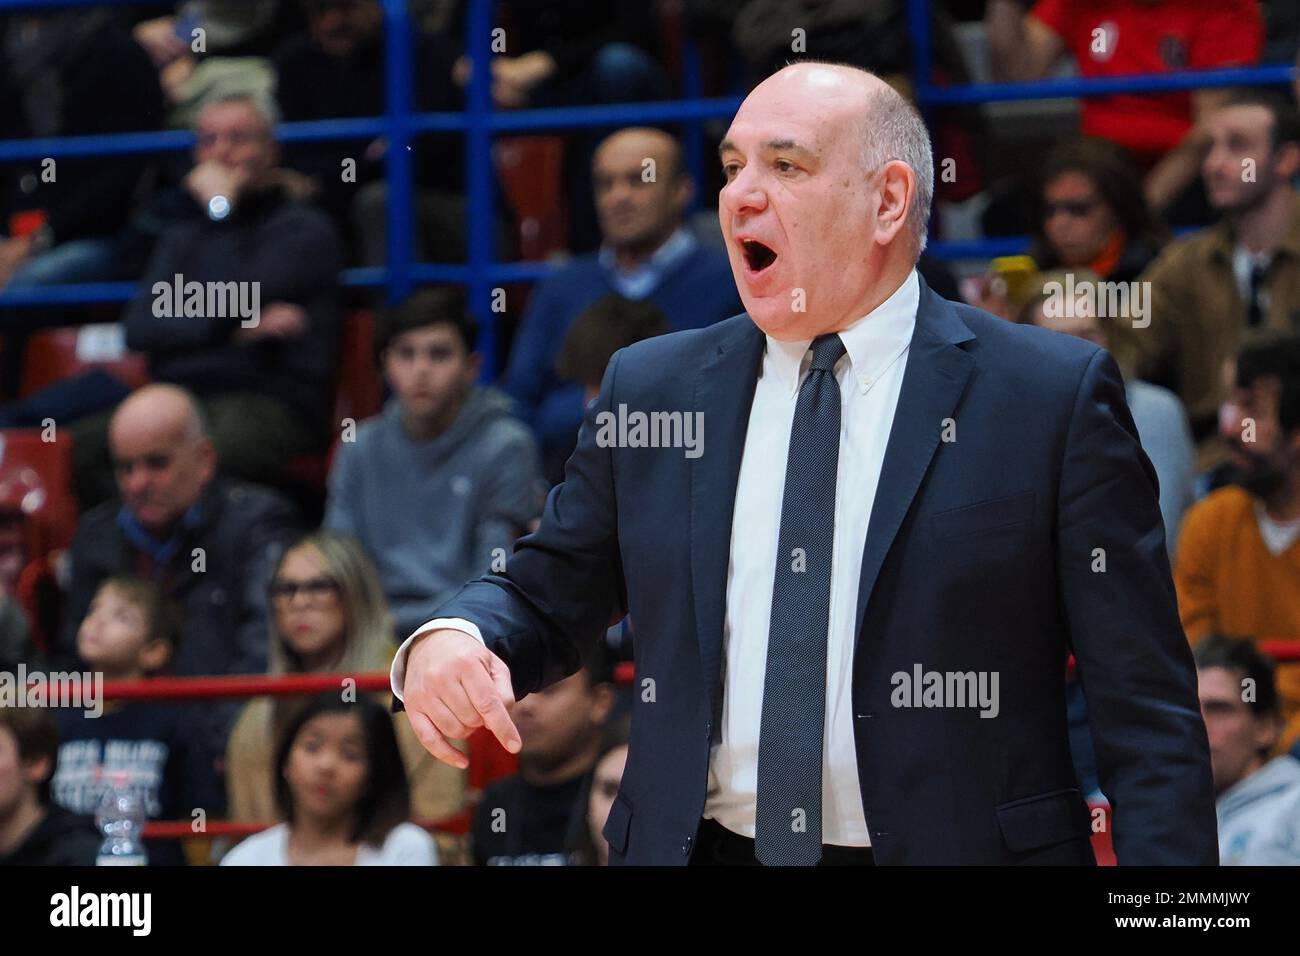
(757,256)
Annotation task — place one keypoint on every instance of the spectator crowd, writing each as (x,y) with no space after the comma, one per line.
(267,471)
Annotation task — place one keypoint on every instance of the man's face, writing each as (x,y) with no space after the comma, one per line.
(1236,734)
(797,209)
(161,471)
(430,371)
(1076,221)
(1238,169)
(339,27)
(635,212)
(556,723)
(233,135)
(1260,465)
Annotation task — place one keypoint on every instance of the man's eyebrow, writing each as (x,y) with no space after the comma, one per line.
(773,145)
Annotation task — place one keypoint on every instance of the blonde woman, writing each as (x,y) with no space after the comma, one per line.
(328,615)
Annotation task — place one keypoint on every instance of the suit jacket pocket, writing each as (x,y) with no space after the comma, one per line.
(984,516)
(1043,820)
(619,822)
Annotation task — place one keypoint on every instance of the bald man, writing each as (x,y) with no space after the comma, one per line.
(642,191)
(209,541)
(856,592)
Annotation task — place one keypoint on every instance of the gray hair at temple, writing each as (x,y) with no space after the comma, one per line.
(893,130)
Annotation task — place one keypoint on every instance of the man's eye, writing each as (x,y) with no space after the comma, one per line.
(730,169)
(784,165)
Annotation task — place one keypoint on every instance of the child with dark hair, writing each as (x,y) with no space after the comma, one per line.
(130,632)
(538,816)
(1257,795)
(342,788)
(604,327)
(33,831)
(464,471)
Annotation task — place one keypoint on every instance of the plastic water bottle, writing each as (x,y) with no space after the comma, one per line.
(121,819)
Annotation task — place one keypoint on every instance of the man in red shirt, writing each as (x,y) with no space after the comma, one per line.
(1123,38)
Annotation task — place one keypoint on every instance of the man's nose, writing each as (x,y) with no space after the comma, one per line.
(744,193)
(1230,423)
(133,480)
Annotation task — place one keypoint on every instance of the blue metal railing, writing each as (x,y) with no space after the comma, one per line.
(478,122)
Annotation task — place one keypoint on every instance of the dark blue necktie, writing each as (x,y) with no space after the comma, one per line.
(788,820)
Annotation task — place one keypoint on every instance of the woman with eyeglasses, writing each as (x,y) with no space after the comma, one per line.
(328,615)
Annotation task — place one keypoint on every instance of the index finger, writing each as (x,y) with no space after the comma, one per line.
(485,689)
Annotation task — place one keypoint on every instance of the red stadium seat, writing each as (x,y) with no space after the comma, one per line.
(1102,848)
(488,761)
(359,387)
(40,597)
(357,395)
(530,168)
(55,354)
(38,475)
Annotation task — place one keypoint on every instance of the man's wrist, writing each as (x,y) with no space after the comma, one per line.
(397,674)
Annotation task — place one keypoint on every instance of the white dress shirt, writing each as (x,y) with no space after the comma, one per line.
(870,376)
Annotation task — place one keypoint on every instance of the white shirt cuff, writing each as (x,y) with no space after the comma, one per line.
(397,676)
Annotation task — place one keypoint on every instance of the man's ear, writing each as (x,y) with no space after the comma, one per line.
(683,193)
(896,184)
(473,365)
(1266,733)
(207,452)
(602,702)
(1293,443)
(1286,162)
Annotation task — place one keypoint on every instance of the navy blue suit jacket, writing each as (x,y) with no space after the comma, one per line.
(983,554)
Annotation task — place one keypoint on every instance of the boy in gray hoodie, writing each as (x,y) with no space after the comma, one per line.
(440,483)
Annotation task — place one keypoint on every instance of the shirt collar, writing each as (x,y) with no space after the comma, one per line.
(648,274)
(873,343)
(160,550)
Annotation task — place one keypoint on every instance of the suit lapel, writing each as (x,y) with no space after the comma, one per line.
(724,393)
(933,382)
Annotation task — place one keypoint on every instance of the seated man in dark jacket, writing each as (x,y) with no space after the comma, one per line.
(210,542)
(239,304)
